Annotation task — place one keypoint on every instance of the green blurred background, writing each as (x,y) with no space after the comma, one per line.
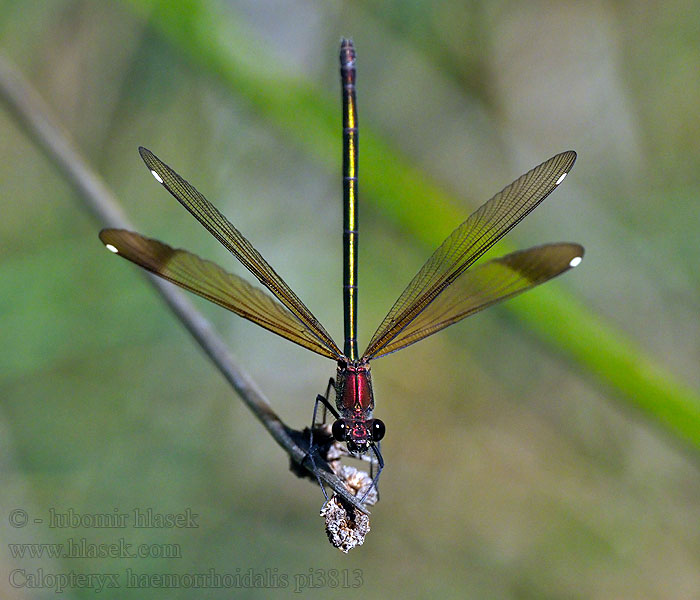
(520,464)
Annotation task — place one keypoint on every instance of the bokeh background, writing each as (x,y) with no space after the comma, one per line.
(514,468)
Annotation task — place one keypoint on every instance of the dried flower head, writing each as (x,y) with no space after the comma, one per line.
(346,526)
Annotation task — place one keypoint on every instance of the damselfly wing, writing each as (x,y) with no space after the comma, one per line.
(444,291)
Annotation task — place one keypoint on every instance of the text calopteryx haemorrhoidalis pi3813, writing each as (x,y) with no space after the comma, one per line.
(444,291)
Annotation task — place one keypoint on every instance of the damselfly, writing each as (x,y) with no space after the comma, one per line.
(442,293)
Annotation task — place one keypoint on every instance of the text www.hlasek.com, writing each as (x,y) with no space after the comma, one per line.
(81,548)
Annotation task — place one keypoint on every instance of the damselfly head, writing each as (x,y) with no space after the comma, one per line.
(358,434)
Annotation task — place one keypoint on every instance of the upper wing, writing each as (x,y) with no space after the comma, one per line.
(468,242)
(219,226)
(210,281)
(485,285)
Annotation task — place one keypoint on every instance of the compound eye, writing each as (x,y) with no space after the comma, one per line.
(339,431)
(378,430)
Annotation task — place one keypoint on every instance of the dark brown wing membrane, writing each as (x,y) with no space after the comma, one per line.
(468,242)
(219,226)
(210,281)
(485,285)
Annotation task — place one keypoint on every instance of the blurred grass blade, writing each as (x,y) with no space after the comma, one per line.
(213,39)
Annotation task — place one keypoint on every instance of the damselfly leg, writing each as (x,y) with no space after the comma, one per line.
(321,427)
(323,400)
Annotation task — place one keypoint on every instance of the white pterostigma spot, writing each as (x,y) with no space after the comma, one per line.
(159,179)
(575,261)
(557,183)
(111,248)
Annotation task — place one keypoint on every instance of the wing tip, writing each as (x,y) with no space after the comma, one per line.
(153,163)
(149,159)
(105,234)
(578,251)
(107,238)
(571,157)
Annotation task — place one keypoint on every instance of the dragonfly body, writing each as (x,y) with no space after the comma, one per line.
(354,398)
(354,390)
(355,402)
(445,290)
(350,215)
